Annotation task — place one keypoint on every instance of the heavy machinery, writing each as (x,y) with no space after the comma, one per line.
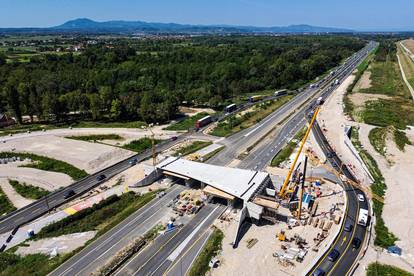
(284,189)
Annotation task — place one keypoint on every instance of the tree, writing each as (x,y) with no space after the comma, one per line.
(116,109)
(95,106)
(13,98)
(3,59)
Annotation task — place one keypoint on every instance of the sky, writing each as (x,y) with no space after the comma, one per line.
(354,14)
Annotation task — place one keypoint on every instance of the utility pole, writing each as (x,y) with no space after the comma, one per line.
(302,188)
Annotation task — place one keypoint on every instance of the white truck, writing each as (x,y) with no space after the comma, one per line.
(363,217)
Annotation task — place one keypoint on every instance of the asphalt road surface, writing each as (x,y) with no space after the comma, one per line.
(57,198)
(156,258)
(80,264)
(95,255)
(343,243)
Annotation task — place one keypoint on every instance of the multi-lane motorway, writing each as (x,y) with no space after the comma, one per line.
(99,251)
(57,198)
(343,242)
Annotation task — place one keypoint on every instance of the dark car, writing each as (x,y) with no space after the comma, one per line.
(173,138)
(69,194)
(348,227)
(133,162)
(100,177)
(356,243)
(318,272)
(333,256)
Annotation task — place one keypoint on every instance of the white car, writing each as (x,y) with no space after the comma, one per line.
(361,198)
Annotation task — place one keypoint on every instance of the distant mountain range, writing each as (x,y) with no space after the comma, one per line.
(85,25)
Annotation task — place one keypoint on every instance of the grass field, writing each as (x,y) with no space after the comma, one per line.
(187,123)
(377,269)
(101,217)
(47,164)
(211,249)
(140,145)
(236,123)
(98,137)
(193,147)
(28,191)
(5,205)
(386,79)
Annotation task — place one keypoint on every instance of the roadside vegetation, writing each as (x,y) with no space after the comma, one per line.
(5,204)
(97,137)
(378,269)
(187,123)
(47,164)
(287,151)
(407,64)
(28,191)
(140,145)
(211,154)
(401,139)
(237,122)
(383,237)
(193,147)
(377,137)
(210,250)
(101,217)
(348,105)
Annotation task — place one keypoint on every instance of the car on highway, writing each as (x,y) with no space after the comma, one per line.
(318,272)
(330,154)
(69,194)
(361,198)
(348,227)
(101,177)
(356,243)
(133,162)
(334,255)
(173,138)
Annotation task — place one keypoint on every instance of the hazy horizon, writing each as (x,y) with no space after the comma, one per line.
(366,15)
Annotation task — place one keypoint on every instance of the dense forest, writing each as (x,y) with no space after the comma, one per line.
(148,79)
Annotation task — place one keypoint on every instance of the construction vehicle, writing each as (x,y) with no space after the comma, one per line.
(284,189)
(281,236)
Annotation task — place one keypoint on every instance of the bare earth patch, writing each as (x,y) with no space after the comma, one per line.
(60,245)
(364,82)
(91,157)
(409,44)
(46,180)
(359,99)
(398,175)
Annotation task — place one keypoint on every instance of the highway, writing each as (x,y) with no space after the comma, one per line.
(55,199)
(261,156)
(343,242)
(156,258)
(96,254)
(100,250)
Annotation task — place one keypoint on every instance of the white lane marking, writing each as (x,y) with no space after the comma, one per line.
(127,225)
(181,247)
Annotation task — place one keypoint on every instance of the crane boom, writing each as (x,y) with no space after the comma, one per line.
(286,182)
